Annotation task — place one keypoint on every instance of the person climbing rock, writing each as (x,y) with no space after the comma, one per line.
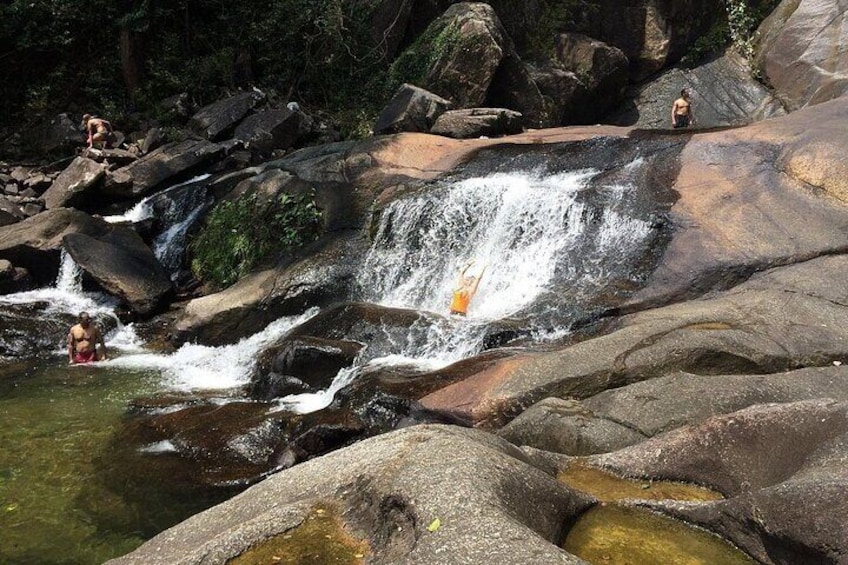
(466,287)
(82,342)
(99,131)
(681,111)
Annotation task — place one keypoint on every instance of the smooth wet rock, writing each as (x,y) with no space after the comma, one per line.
(392,488)
(312,362)
(124,266)
(723,94)
(261,298)
(799,50)
(35,243)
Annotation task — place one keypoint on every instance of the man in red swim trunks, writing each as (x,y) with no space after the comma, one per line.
(82,342)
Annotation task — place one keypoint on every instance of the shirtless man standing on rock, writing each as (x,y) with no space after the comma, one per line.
(681,111)
(82,342)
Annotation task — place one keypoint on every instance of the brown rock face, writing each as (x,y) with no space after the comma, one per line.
(802,51)
(80,176)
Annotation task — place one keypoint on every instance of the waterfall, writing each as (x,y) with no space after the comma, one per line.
(176,210)
(200,367)
(540,233)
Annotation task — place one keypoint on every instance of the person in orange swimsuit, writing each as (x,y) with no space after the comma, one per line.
(82,342)
(466,287)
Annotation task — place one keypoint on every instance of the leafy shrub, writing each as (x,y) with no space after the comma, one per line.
(242,233)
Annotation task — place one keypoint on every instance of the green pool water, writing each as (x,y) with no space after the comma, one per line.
(68,495)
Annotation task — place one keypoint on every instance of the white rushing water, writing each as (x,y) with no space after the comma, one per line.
(534,230)
(201,367)
(530,228)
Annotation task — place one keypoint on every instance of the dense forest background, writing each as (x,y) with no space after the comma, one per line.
(122,58)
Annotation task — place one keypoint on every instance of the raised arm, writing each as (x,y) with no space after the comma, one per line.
(477,279)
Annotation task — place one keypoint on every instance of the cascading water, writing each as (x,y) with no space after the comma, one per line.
(176,209)
(539,233)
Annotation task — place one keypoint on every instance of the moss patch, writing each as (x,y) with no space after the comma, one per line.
(608,487)
(319,540)
(615,535)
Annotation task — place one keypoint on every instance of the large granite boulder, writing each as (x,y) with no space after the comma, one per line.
(457,55)
(54,136)
(171,162)
(780,468)
(425,494)
(800,51)
(478,122)
(74,184)
(124,266)
(723,94)
(35,243)
(602,69)
(566,97)
(217,120)
(411,109)
(270,130)
(748,330)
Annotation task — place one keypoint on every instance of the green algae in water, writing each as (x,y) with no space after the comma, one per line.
(617,535)
(608,487)
(58,503)
(319,540)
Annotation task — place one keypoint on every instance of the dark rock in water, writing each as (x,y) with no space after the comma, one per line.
(213,444)
(72,186)
(411,109)
(308,363)
(477,122)
(269,385)
(13,279)
(378,326)
(216,120)
(28,331)
(122,264)
(35,243)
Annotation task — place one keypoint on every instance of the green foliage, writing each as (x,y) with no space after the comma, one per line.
(242,233)
(738,29)
(414,63)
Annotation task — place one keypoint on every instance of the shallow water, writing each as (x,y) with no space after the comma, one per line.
(608,487)
(59,502)
(616,535)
